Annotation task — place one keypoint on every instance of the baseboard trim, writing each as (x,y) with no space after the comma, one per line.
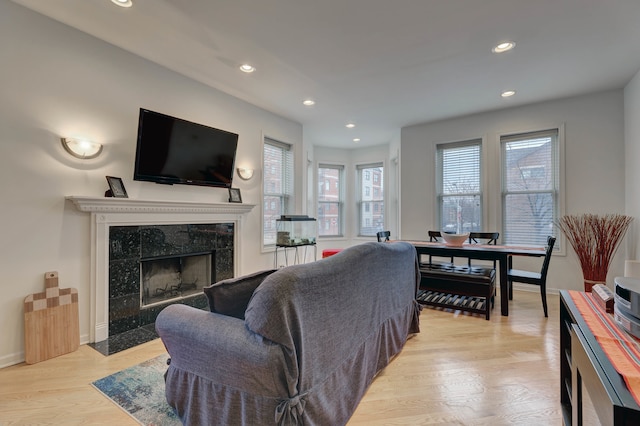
(19,357)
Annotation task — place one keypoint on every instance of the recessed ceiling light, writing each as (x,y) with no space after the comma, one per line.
(350,125)
(247,68)
(308,102)
(123,3)
(356,140)
(504,47)
(508,93)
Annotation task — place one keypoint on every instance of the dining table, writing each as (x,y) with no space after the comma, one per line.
(498,253)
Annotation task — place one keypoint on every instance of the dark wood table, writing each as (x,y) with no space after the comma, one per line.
(592,391)
(499,253)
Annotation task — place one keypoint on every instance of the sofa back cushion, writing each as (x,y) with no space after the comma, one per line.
(231,297)
(320,312)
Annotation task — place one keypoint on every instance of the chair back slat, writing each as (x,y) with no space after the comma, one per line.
(484,238)
(435,236)
(551,241)
(383,236)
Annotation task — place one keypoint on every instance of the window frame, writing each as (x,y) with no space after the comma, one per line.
(557,191)
(440,190)
(363,176)
(285,195)
(322,204)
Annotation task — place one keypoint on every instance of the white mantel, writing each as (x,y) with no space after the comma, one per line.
(131,205)
(111,211)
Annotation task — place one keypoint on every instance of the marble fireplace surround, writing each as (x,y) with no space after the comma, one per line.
(107,212)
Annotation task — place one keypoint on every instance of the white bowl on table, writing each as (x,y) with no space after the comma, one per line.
(455,240)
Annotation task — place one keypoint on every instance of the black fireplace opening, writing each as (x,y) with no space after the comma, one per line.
(171,278)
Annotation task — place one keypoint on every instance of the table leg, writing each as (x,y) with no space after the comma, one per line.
(504,290)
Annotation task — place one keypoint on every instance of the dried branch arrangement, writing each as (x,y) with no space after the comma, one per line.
(595,240)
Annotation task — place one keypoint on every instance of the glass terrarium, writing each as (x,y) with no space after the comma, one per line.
(295,230)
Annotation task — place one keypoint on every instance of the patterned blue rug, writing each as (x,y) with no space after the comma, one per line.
(139,390)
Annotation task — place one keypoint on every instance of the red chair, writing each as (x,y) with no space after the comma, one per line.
(330,252)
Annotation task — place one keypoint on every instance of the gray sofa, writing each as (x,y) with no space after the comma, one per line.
(305,349)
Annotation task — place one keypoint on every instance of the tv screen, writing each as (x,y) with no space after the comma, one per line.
(175,151)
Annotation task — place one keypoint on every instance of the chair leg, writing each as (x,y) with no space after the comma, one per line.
(493,298)
(510,289)
(543,294)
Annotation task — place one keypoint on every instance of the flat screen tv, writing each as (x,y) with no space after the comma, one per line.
(175,151)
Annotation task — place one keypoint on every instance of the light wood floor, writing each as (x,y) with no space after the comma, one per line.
(460,370)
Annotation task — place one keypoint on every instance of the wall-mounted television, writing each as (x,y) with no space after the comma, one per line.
(171,150)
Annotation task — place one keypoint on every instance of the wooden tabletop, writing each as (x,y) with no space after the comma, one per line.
(510,249)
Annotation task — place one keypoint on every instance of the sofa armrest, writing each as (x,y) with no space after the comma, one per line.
(231,296)
(221,349)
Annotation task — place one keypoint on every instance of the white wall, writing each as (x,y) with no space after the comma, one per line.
(594,166)
(57,81)
(632,158)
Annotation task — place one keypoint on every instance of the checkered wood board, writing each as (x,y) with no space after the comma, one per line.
(51,324)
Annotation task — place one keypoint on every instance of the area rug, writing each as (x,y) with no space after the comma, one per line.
(139,390)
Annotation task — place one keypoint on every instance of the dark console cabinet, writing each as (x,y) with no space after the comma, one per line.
(592,392)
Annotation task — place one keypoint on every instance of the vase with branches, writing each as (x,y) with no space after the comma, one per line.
(595,239)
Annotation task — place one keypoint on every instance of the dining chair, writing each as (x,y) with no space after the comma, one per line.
(383,236)
(484,238)
(436,236)
(534,278)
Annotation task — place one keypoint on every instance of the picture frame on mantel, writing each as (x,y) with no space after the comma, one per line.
(116,188)
(234,195)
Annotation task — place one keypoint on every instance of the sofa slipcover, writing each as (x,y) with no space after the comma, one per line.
(313,338)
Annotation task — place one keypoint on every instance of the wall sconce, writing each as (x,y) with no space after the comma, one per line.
(83,149)
(245,174)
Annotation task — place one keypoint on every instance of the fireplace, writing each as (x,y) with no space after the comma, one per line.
(153,266)
(125,233)
(173,278)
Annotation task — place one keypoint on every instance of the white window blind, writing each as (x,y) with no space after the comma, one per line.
(459,186)
(277,186)
(330,200)
(530,182)
(371,199)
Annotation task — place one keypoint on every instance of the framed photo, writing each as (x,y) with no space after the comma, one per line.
(116,187)
(234,195)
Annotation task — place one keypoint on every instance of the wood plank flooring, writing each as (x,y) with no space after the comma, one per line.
(460,370)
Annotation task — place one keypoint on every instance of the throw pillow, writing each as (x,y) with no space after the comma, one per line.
(231,297)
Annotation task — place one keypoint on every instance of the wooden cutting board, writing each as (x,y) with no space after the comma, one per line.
(51,324)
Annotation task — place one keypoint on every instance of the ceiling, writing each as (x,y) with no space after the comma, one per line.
(379,64)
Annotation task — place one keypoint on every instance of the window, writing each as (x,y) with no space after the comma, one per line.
(530,182)
(459,186)
(277,186)
(330,200)
(370,220)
